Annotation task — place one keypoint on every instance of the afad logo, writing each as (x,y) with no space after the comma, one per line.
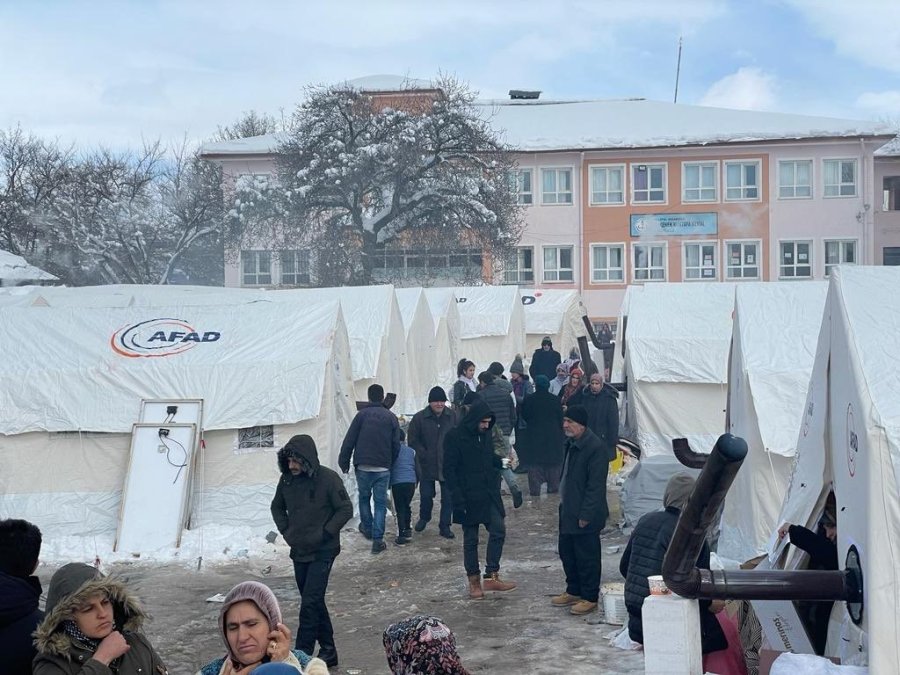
(158,337)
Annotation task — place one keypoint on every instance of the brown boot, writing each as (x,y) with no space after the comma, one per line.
(493,583)
(475,592)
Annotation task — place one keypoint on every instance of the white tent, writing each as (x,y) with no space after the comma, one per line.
(15,269)
(776,326)
(676,364)
(852,410)
(492,324)
(447,330)
(70,394)
(557,313)
(420,353)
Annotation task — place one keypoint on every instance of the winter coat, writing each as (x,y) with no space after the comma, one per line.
(296,658)
(522,388)
(19,616)
(583,488)
(500,401)
(543,442)
(404,469)
(602,415)
(59,654)
(557,384)
(544,363)
(310,510)
(426,435)
(472,469)
(643,557)
(373,439)
(460,388)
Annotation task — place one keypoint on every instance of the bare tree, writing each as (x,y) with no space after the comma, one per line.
(356,178)
(248,125)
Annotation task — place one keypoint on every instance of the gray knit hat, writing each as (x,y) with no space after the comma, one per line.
(257,593)
(678,491)
(517,365)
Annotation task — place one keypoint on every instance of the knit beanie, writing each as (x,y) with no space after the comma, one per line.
(541,382)
(496,369)
(547,341)
(678,491)
(261,596)
(517,365)
(577,413)
(437,394)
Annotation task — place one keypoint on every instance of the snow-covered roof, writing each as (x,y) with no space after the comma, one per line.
(15,268)
(889,149)
(388,83)
(543,126)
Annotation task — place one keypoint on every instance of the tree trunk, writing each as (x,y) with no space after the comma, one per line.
(367,253)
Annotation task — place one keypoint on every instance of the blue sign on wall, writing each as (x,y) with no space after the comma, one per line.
(673,224)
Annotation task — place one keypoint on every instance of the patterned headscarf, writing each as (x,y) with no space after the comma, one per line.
(422,645)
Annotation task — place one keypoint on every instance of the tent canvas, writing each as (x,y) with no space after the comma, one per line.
(447,329)
(776,328)
(68,401)
(617,371)
(492,324)
(557,313)
(420,353)
(852,410)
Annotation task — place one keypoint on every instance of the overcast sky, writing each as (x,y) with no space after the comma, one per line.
(116,72)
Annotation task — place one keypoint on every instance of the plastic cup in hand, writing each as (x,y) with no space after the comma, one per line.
(505,462)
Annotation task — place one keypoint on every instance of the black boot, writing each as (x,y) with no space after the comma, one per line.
(328,654)
(420,524)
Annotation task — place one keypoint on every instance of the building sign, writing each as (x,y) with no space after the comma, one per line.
(673,224)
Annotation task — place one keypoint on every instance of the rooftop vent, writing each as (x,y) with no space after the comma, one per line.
(523,95)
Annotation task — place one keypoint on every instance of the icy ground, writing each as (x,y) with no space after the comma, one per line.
(515,632)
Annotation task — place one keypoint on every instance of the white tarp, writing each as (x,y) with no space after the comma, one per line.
(852,410)
(447,330)
(776,327)
(492,324)
(676,362)
(420,354)
(556,313)
(617,371)
(14,268)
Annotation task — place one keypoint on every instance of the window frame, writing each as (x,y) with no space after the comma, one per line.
(296,273)
(558,269)
(665,183)
(634,268)
(716,164)
(519,271)
(249,443)
(759,180)
(855,194)
(520,193)
(607,167)
(714,243)
(826,267)
(556,170)
(810,263)
(812,177)
(759,259)
(257,273)
(608,245)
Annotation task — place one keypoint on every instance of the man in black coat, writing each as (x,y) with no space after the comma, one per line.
(20,590)
(582,513)
(602,404)
(643,557)
(310,507)
(544,360)
(426,434)
(472,471)
(541,446)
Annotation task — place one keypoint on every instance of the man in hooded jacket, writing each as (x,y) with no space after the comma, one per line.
(544,360)
(601,401)
(310,507)
(643,557)
(20,591)
(472,471)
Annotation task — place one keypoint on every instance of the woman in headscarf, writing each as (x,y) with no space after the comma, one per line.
(558,382)
(251,628)
(422,645)
(573,387)
(92,625)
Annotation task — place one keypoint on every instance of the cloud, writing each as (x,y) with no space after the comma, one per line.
(747,89)
(882,102)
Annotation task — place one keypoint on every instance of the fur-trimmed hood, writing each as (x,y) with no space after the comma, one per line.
(70,587)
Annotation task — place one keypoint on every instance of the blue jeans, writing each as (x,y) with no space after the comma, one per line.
(373,484)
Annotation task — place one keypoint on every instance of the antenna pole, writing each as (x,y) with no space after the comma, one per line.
(678,69)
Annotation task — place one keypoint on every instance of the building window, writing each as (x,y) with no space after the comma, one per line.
(607,185)
(741,180)
(556,186)
(391,263)
(891,187)
(700,261)
(558,263)
(839,252)
(607,263)
(795,260)
(699,181)
(256,267)
(295,268)
(649,262)
(521,180)
(742,260)
(795,179)
(519,267)
(890,256)
(256,437)
(840,177)
(648,182)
